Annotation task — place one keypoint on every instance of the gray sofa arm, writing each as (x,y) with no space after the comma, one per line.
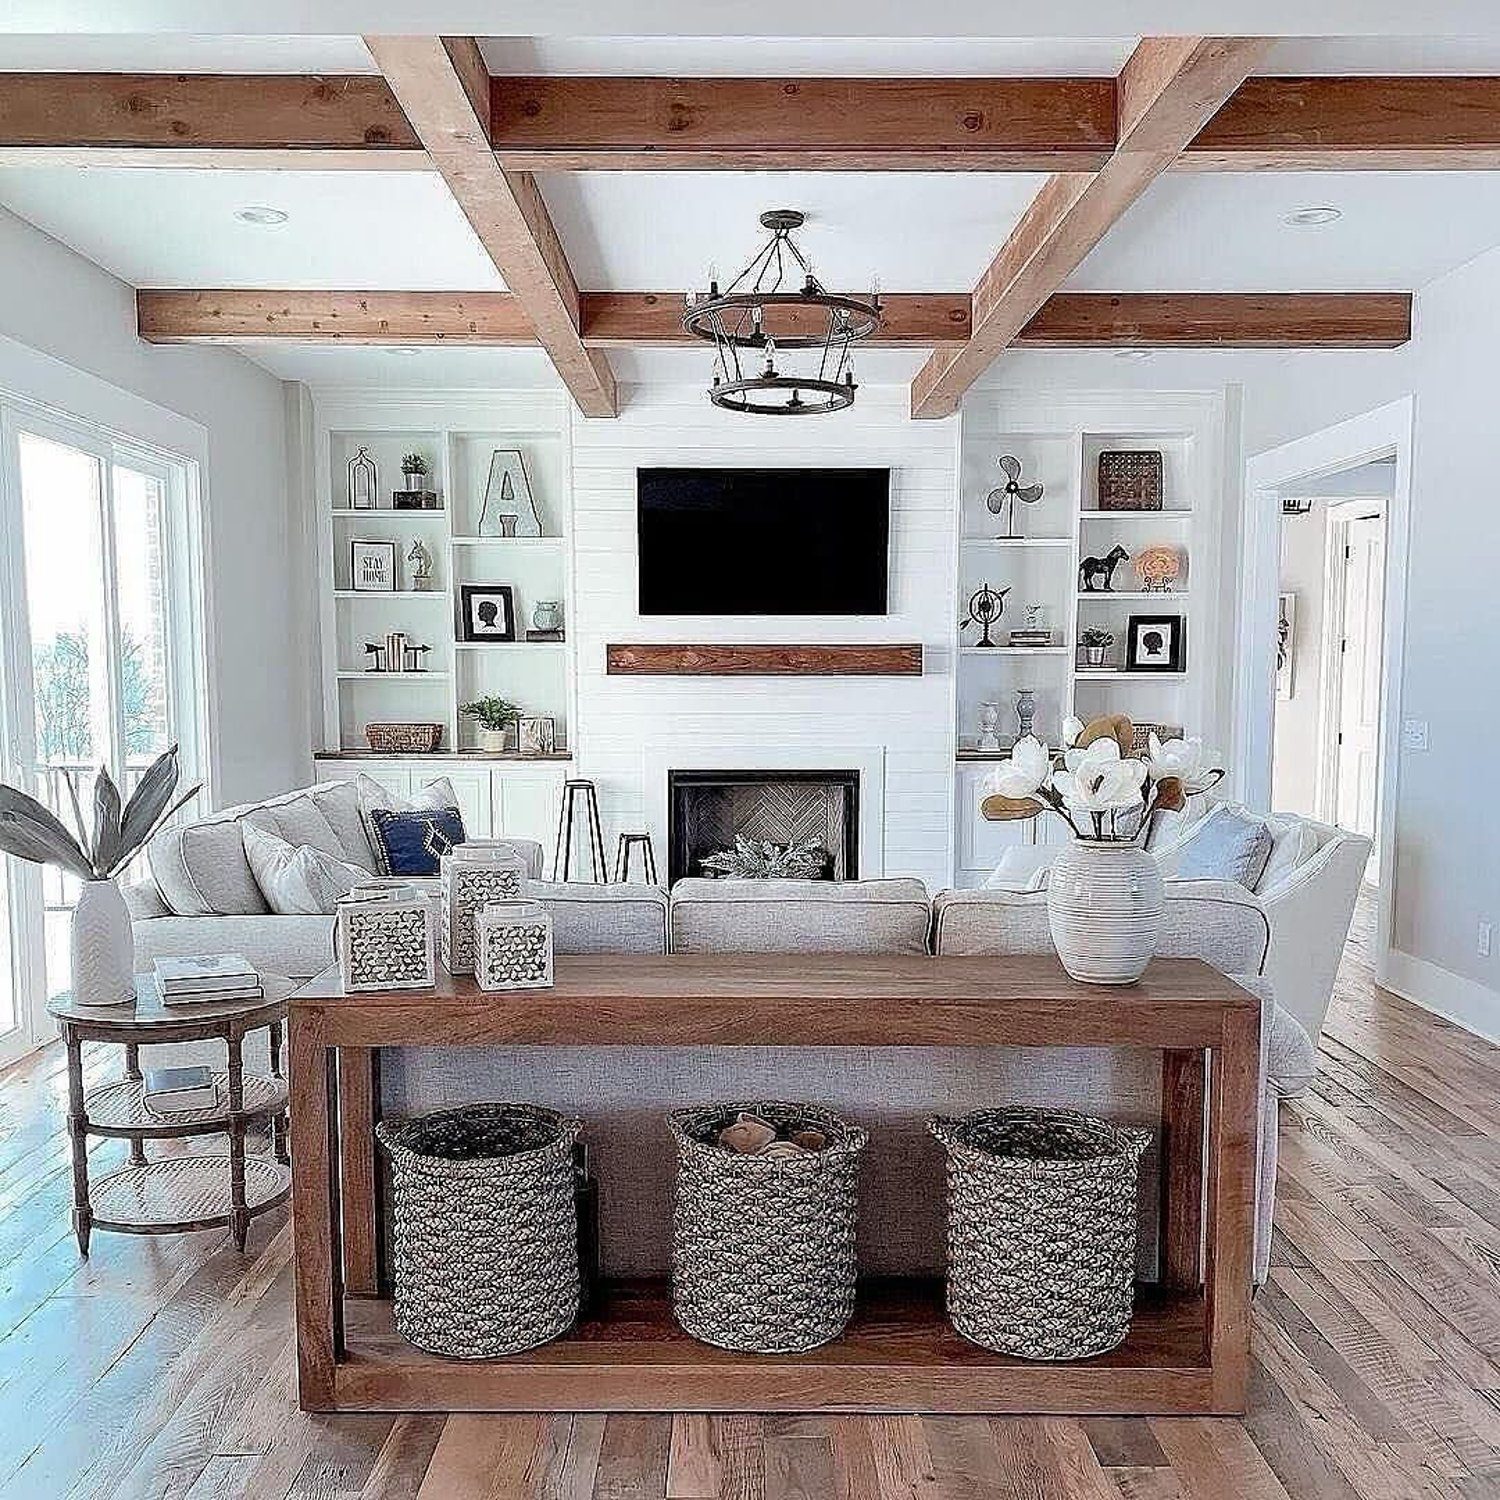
(143,901)
(292,947)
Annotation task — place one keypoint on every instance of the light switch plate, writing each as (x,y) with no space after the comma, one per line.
(1414,734)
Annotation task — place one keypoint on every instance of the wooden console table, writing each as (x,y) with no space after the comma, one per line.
(1189,1348)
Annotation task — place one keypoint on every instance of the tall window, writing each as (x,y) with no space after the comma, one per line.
(102,605)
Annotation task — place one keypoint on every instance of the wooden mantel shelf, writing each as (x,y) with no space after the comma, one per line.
(712,660)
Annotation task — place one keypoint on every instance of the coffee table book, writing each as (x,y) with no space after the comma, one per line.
(174,1091)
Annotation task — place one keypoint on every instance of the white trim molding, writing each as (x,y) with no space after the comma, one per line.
(1473,1006)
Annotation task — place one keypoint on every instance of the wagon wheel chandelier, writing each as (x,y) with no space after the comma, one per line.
(744,314)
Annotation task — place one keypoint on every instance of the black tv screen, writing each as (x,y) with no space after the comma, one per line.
(763,541)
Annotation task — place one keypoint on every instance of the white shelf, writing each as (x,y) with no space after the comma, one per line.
(390,594)
(1114,673)
(392,676)
(1016,541)
(386,513)
(1179,598)
(1014,650)
(509,645)
(1177,513)
(509,541)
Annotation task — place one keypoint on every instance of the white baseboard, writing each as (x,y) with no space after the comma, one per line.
(1474,1006)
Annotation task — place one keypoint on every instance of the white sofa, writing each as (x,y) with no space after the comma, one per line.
(1307,891)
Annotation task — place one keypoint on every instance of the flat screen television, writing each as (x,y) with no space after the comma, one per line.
(763,541)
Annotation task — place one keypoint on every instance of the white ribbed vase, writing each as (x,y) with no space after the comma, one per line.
(103,946)
(1104,906)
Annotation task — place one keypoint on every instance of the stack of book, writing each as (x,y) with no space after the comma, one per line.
(206,981)
(1029,636)
(178,1091)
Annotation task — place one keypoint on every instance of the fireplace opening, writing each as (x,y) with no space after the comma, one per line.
(708,809)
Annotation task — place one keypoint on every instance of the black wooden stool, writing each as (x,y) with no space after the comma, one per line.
(629,843)
(562,855)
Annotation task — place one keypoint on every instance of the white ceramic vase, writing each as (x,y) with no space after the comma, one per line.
(1104,907)
(103,946)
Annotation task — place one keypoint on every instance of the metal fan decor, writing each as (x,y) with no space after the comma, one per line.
(986,605)
(1004,497)
(747,314)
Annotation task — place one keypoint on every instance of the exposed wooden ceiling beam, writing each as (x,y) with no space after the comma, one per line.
(848,124)
(1168,88)
(1067,320)
(974,124)
(444,88)
(1215,320)
(1380,124)
(262,120)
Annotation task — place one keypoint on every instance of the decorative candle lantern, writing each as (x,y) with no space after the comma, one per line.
(470,877)
(363,477)
(386,938)
(513,946)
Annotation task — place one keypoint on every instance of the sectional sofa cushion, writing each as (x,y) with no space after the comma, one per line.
(1228,844)
(603,918)
(438,795)
(800,916)
(1294,841)
(297,880)
(201,869)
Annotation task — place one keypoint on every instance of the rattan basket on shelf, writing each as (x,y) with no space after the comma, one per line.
(404,739)
(1130,479)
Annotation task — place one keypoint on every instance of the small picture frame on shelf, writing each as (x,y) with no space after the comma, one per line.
(536,735)
(1155,643)
(487,612)
(372,566)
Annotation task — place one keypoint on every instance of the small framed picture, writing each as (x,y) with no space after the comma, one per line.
(1286,644)
(1155,643)
(372,567)
(488,612)
(537,736)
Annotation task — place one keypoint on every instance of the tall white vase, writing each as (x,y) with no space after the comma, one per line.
(103,946)
(1104,906)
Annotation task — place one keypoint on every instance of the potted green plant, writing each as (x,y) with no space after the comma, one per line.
(494,717)
(1095,643)
(414,472)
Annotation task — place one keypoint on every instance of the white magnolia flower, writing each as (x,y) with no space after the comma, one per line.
(1072,730)
(1180,758)
(1099,781)
(1028,767)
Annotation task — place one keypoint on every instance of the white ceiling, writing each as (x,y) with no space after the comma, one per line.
(1209,232)
(455,369)
(660,231)
(176,227)
(171,53)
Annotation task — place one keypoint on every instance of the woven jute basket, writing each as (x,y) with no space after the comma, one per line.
(1041,1230)
(484,1228)
(763,1246)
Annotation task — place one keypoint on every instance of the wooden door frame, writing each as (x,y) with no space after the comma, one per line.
(1373,434)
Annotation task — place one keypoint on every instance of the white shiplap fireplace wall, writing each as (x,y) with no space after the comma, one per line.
(631,729)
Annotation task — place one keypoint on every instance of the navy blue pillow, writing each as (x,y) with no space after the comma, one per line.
(412,842)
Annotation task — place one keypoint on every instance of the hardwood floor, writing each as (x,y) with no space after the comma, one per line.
(165,1367)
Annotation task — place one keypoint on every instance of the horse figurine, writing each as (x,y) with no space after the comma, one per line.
(1096,575)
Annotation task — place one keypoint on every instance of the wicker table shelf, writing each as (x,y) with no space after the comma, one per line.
(184,1193)
(177,1194)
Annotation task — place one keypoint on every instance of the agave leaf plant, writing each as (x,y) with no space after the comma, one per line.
(30,832)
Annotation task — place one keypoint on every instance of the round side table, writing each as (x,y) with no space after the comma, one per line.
(176,1194)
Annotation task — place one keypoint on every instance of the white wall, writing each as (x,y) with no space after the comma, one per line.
(66,307)
(626,724)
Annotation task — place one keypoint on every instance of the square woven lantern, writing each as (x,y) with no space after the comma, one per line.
(514,946)
(387,939)
(470,878)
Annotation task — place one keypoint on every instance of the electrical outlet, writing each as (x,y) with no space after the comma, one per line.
(1484,939)
(1414,734)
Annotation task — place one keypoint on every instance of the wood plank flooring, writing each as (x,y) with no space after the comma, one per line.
(165,1367)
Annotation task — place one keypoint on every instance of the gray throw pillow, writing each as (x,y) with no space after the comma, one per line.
(1226,845)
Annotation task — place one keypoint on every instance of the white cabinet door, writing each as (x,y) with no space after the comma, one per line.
(526,803)
(391,775)
(981,842)
(471,785)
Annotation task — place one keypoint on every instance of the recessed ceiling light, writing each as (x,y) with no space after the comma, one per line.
(257,213)
(1310,218)
(404,351)
(1132,354)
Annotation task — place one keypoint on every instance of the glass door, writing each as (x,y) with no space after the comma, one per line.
(91,666)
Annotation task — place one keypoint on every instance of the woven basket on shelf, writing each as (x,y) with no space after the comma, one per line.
(763,1246)
(484,1228)
(1130,479)
(1041,1230)
(404,739)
